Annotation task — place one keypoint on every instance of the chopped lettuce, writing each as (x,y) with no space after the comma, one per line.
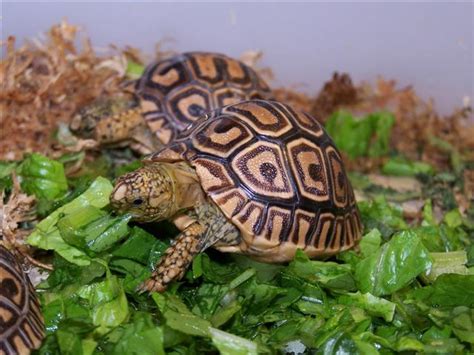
(394,265)
(141,335)
(327,274)
(376,306)
(407,287)
(47,234)
(448,290)
(6,169)
(229,344)
(385,217)
(108,302)
(42,177)
(402,167)
(178,316)
(134,70)
(357,137)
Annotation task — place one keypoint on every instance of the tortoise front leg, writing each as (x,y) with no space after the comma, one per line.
(143,141)
(176,259)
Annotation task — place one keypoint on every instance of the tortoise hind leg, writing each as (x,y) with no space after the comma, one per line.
(176,259)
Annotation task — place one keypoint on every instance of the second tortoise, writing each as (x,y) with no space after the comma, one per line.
(258,178)
(171,94)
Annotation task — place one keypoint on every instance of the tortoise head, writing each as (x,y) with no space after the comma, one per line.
(106,120)
(148,194)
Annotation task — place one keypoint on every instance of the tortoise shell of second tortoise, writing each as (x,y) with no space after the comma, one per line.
(21,321)
(177,91)
(276,174)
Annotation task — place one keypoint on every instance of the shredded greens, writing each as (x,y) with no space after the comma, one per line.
(409,287)
(366,136)
(42,177)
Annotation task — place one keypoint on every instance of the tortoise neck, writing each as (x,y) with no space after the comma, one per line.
(187,190)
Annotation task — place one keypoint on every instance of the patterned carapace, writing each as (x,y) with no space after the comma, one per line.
(21,321)
(175,92)
(276,174)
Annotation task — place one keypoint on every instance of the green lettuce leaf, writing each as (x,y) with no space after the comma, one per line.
(229,344)
(367,136)
(447,263)
(448,290)
(370,243)
(393,266)
(47,234)
(379,214)
(42,177)
(376,306)
(141,335)
(399,166)
(134,70)
(179,317)
(328,274)
(108,301)
(463,324)
(6,169)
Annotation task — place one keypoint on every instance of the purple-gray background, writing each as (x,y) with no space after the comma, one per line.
(426,44)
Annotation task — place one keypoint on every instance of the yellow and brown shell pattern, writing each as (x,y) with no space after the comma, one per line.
(276,174)
(175,92)
(21,321)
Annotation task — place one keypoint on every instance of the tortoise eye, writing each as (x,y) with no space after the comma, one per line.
(137,201)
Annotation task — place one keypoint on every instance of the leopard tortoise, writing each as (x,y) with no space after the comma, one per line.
(21,321)
(171,94)
(257,177)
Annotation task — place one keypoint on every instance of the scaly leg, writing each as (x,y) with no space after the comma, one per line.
(176,260)
(143,141)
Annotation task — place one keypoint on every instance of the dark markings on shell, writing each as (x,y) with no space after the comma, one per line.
(255,210)
(264,117)
(228,96)
(223,135)
(261,169)
(188,104)
(278,223)
(165,75)
(338,177)
(216,176)
(305,121)
(21,322)
(234,200)
(309,169)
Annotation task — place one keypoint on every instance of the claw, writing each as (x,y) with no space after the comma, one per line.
(151,285)
(141,289)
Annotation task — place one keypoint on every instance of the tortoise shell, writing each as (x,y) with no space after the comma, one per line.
(175,92)
(21,321)
(276,174)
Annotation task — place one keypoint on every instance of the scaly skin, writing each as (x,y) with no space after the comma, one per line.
(176,260)
(148,194)
(115,122)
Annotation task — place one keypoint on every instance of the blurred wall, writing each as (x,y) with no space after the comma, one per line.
(427,44)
